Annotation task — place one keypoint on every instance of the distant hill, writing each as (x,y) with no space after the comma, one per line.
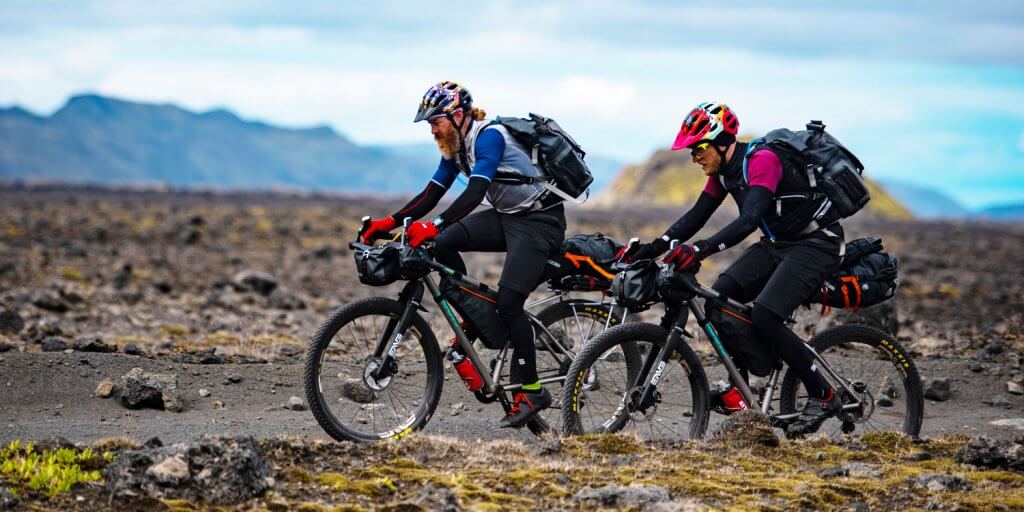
(670,178)
(102,140)
(926,203)
(1014,212)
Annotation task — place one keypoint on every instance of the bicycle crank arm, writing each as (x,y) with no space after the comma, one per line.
(791,417)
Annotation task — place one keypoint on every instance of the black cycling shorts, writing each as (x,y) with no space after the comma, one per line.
(782,275)
(528,239)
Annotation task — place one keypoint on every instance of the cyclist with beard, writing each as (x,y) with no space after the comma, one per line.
(525,221)
(781,270)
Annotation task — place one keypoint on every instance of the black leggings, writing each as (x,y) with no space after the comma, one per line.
(770,326)
(528,240)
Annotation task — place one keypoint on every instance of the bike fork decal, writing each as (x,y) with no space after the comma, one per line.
(657,373)
(394,345)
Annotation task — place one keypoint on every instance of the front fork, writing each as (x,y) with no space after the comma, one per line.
(392,335)
(644,395)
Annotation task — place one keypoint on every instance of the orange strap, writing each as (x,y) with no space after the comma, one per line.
(852,280)
(576,259)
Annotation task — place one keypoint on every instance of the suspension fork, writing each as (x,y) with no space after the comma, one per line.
(394,332)
(649,392)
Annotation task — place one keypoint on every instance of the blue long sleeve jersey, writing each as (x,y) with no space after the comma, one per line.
(489,148)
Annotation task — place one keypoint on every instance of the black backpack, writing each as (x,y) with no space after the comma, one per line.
(554,151)
(866,277)
(832,170)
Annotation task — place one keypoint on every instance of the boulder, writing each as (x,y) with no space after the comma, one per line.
(254,281)
(143,389)
(49,300)
(985,452)
(53,344)
(620,496)
(937,389)
(938,483)
(92,345)
(283,298)
(11,322)
(215,471)
(745,429)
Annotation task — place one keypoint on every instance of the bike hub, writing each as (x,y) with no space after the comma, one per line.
(376,377)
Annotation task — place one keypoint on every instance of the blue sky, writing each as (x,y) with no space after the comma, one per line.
(925,92)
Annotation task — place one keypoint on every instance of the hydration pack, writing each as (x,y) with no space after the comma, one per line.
(834,174)
(866,277)
(554,152)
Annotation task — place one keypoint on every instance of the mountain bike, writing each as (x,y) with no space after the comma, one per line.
(374,369)
(664,396)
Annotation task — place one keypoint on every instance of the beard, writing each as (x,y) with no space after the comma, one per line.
(447,143)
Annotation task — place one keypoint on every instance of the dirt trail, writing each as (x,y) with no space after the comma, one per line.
(43,395)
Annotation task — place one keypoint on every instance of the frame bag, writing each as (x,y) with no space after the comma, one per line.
(477,308)
(744,345)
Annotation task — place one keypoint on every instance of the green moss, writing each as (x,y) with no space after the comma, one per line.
(369,487)
(49,472)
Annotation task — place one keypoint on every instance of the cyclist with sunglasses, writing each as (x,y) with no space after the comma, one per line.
(781,270)
(525,221)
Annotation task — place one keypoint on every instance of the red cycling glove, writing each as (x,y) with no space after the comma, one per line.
(419,232)
(684,257)
(377,226)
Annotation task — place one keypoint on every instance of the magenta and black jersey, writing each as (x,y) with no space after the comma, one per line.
(773,197)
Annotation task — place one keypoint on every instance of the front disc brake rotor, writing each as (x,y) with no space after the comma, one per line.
(375,383)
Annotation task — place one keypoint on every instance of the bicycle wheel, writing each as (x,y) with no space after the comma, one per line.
(575,322)
(604,373)
(571,324)
(873,361)
(347,401)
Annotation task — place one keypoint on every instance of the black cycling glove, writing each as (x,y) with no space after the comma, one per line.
(650,251)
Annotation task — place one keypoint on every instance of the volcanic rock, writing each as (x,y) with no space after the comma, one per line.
(143,389)
(620,496)
(985,452)
(937,389)
(11,322)
(745,429)
(254,281)
(92,345)
(53,345)
(49,300)
(215,471)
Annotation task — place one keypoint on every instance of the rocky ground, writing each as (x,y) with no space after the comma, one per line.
(220,293)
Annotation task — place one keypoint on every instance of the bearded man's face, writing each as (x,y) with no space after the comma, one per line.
(445,136)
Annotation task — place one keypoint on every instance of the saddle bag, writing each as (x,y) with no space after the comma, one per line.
(867,277)
(737,333)
(585,263)
(477,307)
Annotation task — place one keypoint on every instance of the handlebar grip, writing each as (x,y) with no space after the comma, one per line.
(362,229)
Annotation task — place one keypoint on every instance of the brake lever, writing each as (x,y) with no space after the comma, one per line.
(405,227)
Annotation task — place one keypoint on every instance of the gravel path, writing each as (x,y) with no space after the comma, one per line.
(43,395)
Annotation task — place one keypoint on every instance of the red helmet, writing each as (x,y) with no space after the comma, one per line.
(710,122)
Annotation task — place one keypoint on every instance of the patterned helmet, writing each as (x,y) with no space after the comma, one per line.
(710,122)
(442,99)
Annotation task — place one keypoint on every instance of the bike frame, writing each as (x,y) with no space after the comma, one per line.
(677,316)
(412,296)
